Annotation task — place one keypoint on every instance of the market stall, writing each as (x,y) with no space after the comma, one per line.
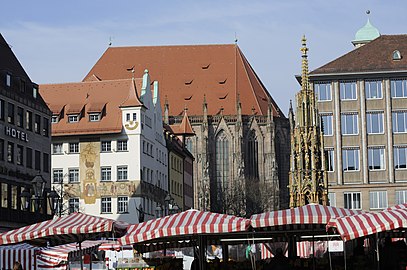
(191,227)
(22,252)
(59,257)
(74,228)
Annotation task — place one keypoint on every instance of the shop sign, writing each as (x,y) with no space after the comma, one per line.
(335,246)
(15,133)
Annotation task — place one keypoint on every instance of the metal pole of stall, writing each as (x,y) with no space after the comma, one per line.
(377,252)
(80,253)
(344,253)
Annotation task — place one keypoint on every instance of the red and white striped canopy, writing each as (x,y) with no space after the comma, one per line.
(75,227)
(57,257)
(22,252)
(186,223)
(364,224)
(308,214)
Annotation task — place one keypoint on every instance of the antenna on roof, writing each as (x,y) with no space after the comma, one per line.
(236,38)
(110,41)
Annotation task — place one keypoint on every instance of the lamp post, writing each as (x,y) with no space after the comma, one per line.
(55,202)
(170,207)
(38,186)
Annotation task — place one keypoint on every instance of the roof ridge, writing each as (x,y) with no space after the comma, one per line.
(173,45)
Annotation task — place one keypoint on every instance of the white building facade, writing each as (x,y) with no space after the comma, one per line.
(109,156)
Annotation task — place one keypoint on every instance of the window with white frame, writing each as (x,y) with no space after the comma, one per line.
(373,89)
(400,155)
(73,175)
(106,146)
(332,199)
(73,118)
(349,124)
(327,124)
(323,91)
(352,200)
(121,173)
(94,117)
(54,119)
(374,122)
(350,159)
(398,88)
(57,175)
(122,204)
(348,90)
(74,148)
(330,160)
(378,199)
(122,145)
(399,122)
(57,148)
(105,173)
(73,205)
(106,204)
(376,159)
(401,196)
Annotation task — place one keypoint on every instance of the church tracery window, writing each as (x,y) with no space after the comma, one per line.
(222,162)
(253,156)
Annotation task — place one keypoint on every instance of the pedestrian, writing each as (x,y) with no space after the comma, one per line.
(17,266)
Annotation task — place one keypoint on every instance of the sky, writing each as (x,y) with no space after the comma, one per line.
(60,41)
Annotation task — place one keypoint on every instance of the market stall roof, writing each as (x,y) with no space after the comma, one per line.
(58,256)
(75,227)
(22,252)
(310,214)
(351,227)
(190,222)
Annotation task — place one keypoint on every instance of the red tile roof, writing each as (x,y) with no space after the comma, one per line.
(187,73)
(105,97)
(375,56)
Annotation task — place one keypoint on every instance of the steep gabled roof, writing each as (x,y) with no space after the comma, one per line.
(10,62)
(105,97)
(187,73)
(184,128)
(375,56)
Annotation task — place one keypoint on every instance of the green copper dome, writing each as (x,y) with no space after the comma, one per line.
(366,33)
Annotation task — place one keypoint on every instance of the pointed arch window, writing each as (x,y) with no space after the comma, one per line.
(253,155)
(222,162)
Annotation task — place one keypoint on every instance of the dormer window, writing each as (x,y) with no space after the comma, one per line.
(8,80)
(73,118)
(55,119)
(94,117)
(396,55)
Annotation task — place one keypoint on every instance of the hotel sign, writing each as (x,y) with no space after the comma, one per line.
(15,133)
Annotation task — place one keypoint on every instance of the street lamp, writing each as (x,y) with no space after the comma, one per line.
(55,202)
(169,207)
(25,199)
(38,186)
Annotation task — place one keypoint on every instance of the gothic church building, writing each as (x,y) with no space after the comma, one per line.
(242,139)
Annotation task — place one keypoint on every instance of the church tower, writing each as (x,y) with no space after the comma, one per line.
(308,179)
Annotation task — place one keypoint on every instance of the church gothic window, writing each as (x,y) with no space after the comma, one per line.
(222,162)
(252,156)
